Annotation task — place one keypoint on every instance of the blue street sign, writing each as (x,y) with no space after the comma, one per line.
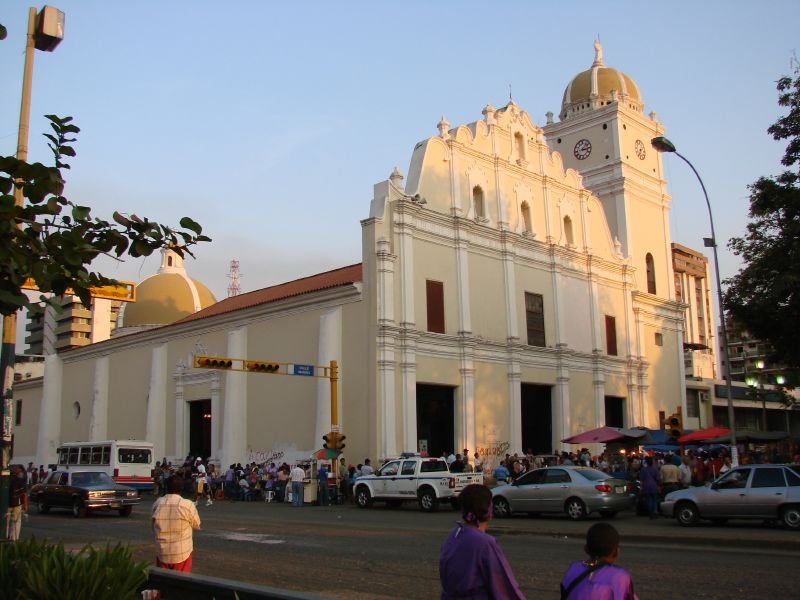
(307,370)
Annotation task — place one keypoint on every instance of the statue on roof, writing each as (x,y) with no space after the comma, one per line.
(598,53)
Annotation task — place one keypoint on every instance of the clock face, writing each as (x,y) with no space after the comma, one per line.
(582,149)
(640,152)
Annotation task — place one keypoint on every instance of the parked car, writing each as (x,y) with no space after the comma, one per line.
(81,491)
(768,492)
(576,491)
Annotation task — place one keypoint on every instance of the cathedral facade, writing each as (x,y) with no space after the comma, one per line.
(516,287)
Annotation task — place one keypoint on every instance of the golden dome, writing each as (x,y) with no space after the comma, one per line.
(597,87)
(167,296)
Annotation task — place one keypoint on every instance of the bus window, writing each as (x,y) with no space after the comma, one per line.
(134,455)
(73,456)
(106,455)
(97,455)
(86,456)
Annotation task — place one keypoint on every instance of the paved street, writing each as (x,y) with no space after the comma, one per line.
(381,553)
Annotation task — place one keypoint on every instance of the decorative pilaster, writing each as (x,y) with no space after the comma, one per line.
(563,424)
(180,448)
(515,406)
(98,423)
(330,348)
(155,425)
(49,436)
(234,442)
(408,400)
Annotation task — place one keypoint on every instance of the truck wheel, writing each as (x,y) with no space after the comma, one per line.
(428,501)
(363,497)
(78,509)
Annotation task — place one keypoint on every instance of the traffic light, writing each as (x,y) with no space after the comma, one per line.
(333,440)
(673,425)
(261,367)
(212,362)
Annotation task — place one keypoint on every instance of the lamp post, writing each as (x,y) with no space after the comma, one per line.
(662,144)
(45,32)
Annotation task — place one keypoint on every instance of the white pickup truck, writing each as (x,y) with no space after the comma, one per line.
(426,480)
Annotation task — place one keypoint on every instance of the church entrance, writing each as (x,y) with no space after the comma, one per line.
(537,419)
(435,419)
(200,428)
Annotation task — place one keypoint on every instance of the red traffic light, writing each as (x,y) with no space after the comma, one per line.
(262,367)
(212,362)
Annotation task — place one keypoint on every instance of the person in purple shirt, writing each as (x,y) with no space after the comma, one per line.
(650,478)
(471,564)
(598,578)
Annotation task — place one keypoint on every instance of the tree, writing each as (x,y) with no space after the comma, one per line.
(764,296)
(53,241)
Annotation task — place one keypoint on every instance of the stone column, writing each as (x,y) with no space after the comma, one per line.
(514,407)
(180,416)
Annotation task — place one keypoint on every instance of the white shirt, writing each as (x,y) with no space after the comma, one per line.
(297,474)
(367,470)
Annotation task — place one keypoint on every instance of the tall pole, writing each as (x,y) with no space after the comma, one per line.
(662,144)
(8,349)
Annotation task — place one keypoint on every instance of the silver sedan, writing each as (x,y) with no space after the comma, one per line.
(768,492)
(576,491)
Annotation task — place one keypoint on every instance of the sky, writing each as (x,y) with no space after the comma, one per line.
(269,122)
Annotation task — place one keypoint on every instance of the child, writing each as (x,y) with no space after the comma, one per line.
(598,577)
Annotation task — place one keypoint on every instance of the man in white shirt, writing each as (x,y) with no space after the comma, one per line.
(297,476)
(366,468)
(174,518)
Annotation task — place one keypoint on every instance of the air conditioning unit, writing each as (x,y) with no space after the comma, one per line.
(704,396)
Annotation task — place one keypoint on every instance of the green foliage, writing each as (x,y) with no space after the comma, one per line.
(37,570)
(764,296)
(53,241)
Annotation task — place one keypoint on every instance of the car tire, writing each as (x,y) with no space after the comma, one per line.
(502,509)
(42,508)
(78,509)
(428,501)
(575,509)
(791,517)
(363,497)
(687,514)
(125,511)
(608,514)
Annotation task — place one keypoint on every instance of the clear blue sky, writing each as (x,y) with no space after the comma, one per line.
(269,122)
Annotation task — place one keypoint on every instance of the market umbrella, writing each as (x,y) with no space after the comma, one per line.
(702,435)
(751,435)
(600,435)
(324,453)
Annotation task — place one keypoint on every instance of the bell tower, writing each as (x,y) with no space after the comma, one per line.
(603,133)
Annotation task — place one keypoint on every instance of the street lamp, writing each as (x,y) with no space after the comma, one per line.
(45,32)
(756,384)
(662,144)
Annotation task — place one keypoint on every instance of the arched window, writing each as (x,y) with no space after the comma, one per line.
(651,273)
(478,203)
(568,231)
(526,217)
(519,144)
(169,261)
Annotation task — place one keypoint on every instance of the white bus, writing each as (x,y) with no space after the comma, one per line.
(129,462)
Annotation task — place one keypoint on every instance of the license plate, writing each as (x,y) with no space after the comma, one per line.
(620,489)
(115,505)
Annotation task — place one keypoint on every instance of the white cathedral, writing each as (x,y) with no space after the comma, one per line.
(515,287)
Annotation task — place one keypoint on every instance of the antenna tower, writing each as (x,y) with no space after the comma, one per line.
(233,286)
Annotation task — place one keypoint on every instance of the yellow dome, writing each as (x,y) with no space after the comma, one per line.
(167,296)
(597,87)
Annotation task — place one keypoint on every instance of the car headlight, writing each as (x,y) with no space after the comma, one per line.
(95,494)
(131,494)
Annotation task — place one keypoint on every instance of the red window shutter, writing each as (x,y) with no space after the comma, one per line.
(435,299)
